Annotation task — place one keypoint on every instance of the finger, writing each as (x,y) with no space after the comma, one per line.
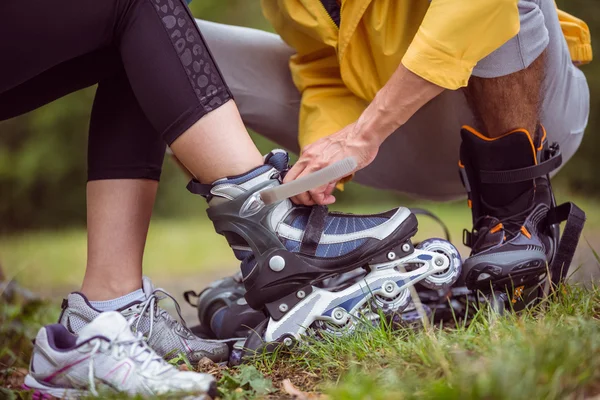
(303,199)
(294,172)
(328,200)
(322,193)
(318,196)
(330,188)
(323,198)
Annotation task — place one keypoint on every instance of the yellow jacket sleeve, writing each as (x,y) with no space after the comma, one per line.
(327,104)
(448,44)
(577,35)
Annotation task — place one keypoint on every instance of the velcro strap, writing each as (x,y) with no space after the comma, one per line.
(575,220)
(522,174)
(195,187)
(314,229)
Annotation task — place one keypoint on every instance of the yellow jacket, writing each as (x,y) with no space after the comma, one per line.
(339,70)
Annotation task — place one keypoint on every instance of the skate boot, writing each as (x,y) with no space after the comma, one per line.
(515,239)
(224,313)
(286,250)
(165,335)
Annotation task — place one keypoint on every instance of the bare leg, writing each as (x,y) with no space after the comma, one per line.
(118,218)
(509,102)
(119,211)
(217,146)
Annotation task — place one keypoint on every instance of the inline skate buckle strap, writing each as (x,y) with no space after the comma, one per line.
(468,238)
(575,221)
(314,229)
(194,186)
(331,173)
(524,174)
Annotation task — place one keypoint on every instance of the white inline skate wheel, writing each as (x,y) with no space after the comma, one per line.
(449,276)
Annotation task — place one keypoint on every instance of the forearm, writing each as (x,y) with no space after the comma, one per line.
(399,99)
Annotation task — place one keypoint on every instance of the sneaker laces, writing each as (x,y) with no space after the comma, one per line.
(150,306)
(135,348)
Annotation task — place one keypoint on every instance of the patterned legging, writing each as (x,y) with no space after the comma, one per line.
(155,74)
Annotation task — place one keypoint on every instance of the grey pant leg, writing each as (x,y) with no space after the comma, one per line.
(565,105)
(255,65)
(421,158)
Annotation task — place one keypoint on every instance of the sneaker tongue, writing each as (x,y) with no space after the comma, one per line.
(274,167)
(278,158)
(147,286)
(110,324)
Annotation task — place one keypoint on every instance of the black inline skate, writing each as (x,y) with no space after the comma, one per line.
(224,314)
(515,239)
(223,311)
(287,251)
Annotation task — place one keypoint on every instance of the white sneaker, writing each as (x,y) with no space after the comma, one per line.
(167,336)
(106,355)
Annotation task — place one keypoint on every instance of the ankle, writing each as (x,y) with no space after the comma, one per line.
(120,302)
(102,290)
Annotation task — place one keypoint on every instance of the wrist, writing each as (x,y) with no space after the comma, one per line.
(378,121)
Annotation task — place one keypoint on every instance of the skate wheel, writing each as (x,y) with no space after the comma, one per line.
(392,306)
(412,318)
(448,277)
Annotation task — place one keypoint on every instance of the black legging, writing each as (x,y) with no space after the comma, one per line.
(155,74)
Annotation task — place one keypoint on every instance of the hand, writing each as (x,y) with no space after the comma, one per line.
(326,151)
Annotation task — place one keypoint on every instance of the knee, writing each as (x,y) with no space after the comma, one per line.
(521,51)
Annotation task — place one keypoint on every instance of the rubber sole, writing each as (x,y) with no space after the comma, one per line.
(44,392)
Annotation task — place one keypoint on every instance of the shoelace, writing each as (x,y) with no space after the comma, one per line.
(137,347)
(150,305)
(512,223)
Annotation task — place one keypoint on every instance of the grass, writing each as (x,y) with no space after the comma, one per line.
(57,259)
(549,352)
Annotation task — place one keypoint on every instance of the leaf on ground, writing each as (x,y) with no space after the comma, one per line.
(207,366)
(7,394)
(297,394)
(14,378)
(251,376)
(206,363)
(247,378)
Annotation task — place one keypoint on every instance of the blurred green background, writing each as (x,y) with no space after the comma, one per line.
(43,175)
(43,153)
